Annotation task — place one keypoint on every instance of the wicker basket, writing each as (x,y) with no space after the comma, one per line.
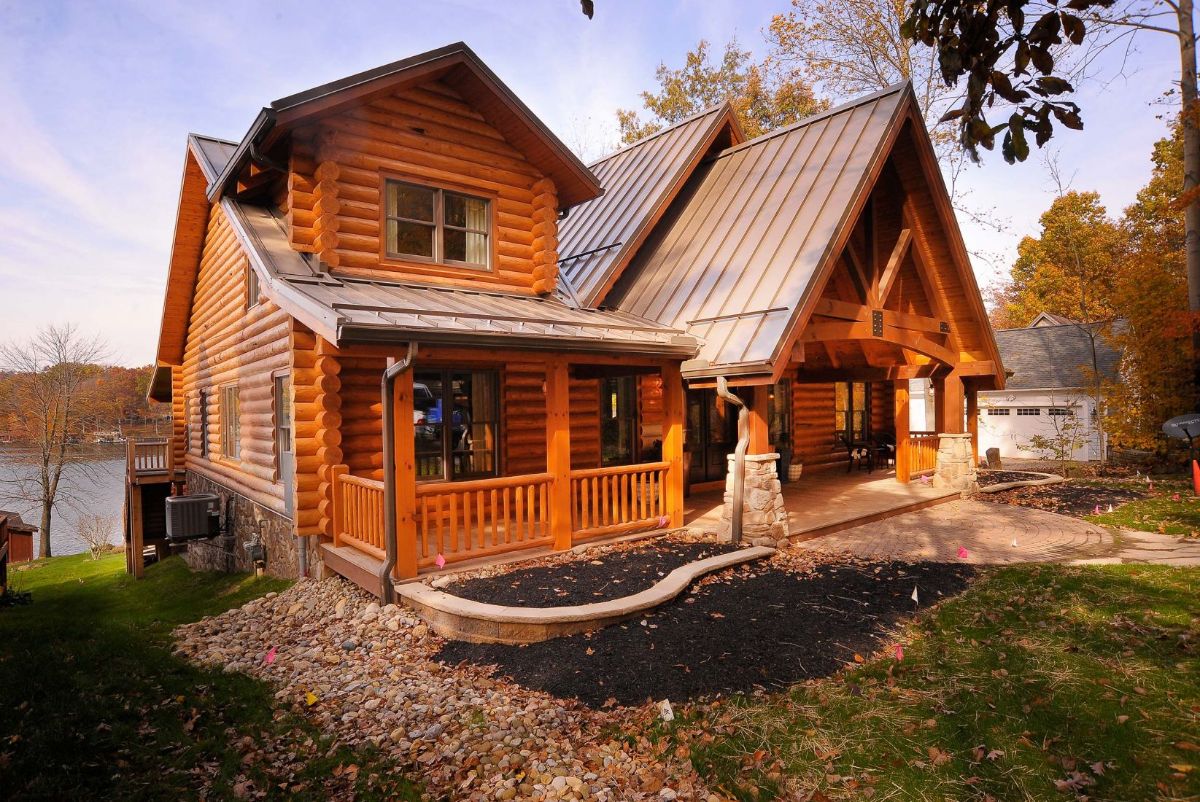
(794,472)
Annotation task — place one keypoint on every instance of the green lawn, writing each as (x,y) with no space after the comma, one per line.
(1039,683)
(1173,509)
(94,706)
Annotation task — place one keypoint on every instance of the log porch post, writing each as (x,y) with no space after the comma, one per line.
(950,404)
(674,410)
(760,411)
(404,448)
(558,451)
(973,420)
(903,453)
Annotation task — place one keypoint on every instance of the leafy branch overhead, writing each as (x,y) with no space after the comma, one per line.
(1005,56)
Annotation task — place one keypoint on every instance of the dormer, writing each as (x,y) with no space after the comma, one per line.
(429,169)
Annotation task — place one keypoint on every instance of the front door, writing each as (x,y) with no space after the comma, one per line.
(711,435)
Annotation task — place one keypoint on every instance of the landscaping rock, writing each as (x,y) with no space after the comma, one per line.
(458,729)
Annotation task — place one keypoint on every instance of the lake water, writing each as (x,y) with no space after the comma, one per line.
(96,487)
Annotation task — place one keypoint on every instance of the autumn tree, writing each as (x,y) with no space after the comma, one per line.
(1151,293)
(1068,269)
(850,48)
(50,391)
(764,96)
(1008,52)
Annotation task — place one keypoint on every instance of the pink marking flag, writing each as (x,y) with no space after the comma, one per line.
(899,652)
(270,656)
(440,561)
(963,553)
(1175,497)
(1097,511)
(663,522)
(924,480)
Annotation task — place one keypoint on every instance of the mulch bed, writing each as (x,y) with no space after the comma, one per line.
(587,579)
(759,625)
(989,478)
(1066,498)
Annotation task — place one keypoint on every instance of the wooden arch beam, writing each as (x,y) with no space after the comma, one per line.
(914,341)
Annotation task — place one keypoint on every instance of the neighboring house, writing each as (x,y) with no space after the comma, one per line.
(1050,392)
(20,537)
(554,331)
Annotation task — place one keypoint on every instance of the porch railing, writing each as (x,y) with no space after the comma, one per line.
(149,456)
(624,498)
(464,520)
(486,517)
(358,513)
(922,449)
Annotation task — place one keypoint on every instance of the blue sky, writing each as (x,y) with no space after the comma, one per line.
(96,100)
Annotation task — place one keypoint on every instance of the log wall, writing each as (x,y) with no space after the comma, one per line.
(424,134)
(228,344)
(813,441)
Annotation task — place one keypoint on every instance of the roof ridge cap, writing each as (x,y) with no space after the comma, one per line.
(850,105)
(679,124)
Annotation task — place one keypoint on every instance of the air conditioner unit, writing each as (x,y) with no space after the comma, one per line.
(193,517)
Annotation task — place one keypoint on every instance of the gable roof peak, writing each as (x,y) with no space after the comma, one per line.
(723,106)
(456,65)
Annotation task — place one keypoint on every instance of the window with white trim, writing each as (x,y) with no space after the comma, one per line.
(998,410)
(1029,411)
(1059,412)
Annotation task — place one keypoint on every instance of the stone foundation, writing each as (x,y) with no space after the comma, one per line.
(956,469)
(764,519)
(228,553)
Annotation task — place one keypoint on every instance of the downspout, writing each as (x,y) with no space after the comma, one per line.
(739,458)
(386,386)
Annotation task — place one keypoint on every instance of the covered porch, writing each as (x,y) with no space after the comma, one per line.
(829,500)
(498,454)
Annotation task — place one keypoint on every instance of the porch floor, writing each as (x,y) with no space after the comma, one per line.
(828,500)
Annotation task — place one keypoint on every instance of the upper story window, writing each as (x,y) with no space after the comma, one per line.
(439,226)
(252,289)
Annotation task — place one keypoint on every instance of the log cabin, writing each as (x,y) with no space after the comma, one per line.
(405,327)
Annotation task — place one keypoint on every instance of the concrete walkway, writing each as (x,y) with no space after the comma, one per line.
(1002,533)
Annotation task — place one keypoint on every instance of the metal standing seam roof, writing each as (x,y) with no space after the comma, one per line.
(343,308)
(1049,357)
(599,236)
(739,258)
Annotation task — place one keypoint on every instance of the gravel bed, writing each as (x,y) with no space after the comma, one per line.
(587,579)
(767,624)
(368,675)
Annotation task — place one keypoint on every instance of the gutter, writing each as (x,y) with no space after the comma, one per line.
(739,458)
(387,386)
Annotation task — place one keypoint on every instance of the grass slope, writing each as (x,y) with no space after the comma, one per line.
(1039,683)
(94,706)
(1172,509)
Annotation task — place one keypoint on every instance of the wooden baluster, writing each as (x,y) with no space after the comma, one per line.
(532,498)
(508,520)
(519,519)
(495,520)
(481,516)
(467,535)
(452,523)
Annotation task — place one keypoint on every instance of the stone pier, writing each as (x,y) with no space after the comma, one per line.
(764,519)
(956,469)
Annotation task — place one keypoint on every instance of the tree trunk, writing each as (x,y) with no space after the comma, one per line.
(1191,174)
(44,534)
